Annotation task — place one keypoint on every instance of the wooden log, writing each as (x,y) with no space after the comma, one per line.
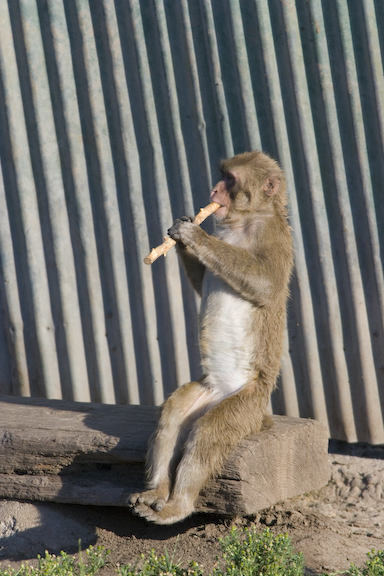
(84,453)
(289,459)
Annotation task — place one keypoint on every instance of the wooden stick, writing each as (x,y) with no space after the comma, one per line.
(169,242)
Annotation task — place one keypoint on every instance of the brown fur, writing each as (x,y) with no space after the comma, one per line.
(242,273)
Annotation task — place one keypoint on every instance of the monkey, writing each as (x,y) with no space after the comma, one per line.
(242,274)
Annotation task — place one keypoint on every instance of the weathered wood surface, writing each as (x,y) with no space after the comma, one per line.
(93,454)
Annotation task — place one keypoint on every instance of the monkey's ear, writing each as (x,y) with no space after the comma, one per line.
(271,185)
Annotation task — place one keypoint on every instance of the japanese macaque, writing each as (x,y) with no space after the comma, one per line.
(242,273)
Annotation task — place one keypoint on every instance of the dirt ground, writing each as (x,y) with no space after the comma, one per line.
(332,527)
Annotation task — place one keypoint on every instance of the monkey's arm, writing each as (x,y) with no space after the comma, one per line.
(192,266)
(257,277)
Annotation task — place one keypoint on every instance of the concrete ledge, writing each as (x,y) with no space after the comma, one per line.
(82,453)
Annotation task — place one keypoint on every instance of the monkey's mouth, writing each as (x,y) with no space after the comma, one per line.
(221,212)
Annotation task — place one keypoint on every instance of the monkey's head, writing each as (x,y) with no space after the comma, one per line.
(252,182)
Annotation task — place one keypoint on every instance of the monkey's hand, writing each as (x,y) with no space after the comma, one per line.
(183,230)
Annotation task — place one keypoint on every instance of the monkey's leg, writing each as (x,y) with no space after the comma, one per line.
(178,413)
(213,436)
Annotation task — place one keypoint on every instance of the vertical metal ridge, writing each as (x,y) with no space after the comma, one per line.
(248,100)
(14,321)
(51,179)
(320,218)
(217,79)
(27,203)
(358,123)
(372,400)
(94,328)
(202,127)
(376,60)
(307,315)
(375,432)
(128,386)
(172,276)
(135,192)
(174,108)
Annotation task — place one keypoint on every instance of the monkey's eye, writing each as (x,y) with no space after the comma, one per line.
(229,179)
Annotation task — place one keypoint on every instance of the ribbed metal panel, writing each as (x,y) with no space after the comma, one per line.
(113,117)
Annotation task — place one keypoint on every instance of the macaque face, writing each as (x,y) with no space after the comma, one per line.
(221,193)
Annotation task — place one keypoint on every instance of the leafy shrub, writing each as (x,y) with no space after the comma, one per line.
(63,565)
(246,553)
(249,553)
(160,566)
(374,566)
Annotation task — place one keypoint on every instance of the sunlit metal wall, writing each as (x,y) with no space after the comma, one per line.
(114,115)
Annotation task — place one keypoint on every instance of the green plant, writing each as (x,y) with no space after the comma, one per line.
(160,566)
(63,565)
(246,553)
(374,566)
(249,553)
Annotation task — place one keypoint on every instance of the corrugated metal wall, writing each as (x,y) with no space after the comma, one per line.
(113,118)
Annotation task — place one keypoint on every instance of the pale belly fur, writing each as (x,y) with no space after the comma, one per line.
(226,323)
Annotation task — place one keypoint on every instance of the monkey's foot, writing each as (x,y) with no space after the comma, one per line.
(173,511)
(153,499)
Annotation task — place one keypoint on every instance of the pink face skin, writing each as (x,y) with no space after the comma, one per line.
(220,193)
